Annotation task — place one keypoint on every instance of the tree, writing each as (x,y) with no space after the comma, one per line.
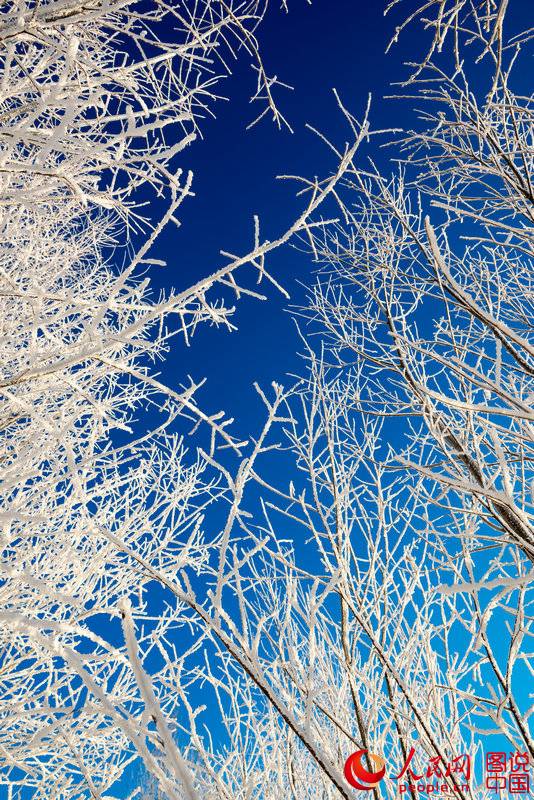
(96,102)
(377,599)
(401,616)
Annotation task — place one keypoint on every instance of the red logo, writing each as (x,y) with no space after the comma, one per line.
(359,777)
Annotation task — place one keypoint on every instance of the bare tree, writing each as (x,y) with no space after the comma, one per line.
(325,626)
(401,616)
(375,599)
(429,286)
(97,101)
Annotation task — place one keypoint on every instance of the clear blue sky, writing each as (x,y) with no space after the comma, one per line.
(313,48)
(330,43)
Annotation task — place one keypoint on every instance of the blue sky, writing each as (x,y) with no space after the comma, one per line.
(314,50)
